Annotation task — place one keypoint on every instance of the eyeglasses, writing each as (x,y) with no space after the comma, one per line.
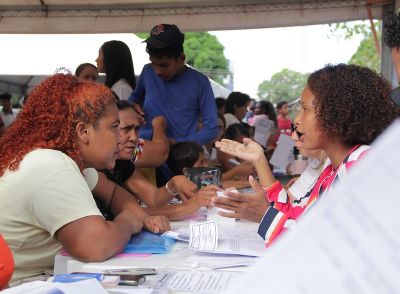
(395,96)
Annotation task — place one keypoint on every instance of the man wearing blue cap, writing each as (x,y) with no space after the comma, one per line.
(168,87)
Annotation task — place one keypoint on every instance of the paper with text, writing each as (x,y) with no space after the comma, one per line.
(203,236)
(199,282)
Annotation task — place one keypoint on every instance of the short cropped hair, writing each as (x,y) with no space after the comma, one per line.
(5,96)
(183,154)
(237,99)
(236,130)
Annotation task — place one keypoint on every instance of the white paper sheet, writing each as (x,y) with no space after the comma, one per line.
(225,239)
(91,286)
(212,213)
(349,243)
(220,261)
(203,236)
(199,281)
(283,153)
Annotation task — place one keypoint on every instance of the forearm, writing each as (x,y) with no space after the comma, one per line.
(173,211)
(265,176)
(155,152)
(109,237)
(120,231)
(231,174)
(123,200)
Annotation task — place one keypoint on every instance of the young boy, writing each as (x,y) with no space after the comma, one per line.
(283,120)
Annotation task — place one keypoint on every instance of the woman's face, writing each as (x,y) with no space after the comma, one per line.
(100,150)
(88,74)
(307,127)
(100,61)
(240,112)
(258,109)
(128,130)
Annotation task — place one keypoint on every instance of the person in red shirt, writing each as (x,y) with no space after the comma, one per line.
(6,263)
(283,120)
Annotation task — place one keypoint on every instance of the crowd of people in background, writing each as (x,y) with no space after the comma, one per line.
(106,161)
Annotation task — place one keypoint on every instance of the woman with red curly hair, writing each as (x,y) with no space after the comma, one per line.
(45,202)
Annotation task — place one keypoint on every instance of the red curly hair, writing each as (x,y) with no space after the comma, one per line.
(49,117)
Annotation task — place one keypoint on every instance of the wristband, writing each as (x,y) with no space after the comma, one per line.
(170,191)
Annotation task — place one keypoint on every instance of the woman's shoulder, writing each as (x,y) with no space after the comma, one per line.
(47,158)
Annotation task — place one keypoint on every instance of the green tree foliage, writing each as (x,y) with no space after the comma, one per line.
(284,85)
(366,54)
(204,52)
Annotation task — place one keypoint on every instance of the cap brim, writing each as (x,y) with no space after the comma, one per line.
(156,43)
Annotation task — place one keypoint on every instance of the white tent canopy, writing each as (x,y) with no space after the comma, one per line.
(122,16)
(27,59)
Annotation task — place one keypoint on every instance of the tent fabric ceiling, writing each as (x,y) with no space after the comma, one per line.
(64,16)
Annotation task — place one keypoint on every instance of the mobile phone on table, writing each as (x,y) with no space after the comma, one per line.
(131,280)
(131,271)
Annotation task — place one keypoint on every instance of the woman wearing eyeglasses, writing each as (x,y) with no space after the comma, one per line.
(343,109)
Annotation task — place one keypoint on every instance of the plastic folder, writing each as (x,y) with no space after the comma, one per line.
(147,242)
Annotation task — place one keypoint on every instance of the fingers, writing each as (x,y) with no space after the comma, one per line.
(254,184)
(212,188)
(183,196)
(220,201)
(228,214)
(138,109)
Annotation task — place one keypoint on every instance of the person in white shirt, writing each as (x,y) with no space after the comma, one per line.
(115,60)
(45,202)
(235,108)
(7,114)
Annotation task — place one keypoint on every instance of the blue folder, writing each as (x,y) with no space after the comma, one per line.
(147,242)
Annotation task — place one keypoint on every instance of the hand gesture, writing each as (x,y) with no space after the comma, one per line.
(140,112)
(183,187)
(157,224)
(249,150)
(251,207)
(206,194)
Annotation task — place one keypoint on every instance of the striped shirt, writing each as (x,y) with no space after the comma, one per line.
(283,212)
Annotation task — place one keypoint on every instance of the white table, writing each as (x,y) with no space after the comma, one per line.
(174,259)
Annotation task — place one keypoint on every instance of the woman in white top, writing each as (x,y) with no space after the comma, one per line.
(115,60)
(45,202)
(235,108)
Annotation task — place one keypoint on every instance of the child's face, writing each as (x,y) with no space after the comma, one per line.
(284,110)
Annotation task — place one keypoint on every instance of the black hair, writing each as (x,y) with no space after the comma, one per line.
(235,130)
(118,63)
(80,68)
(183,154)
(5,96)
(268,109)
(391,31)
(124,104)
(220,102)
(281,104)
(351,103)
(171,51)
(220,116)
(237,99)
